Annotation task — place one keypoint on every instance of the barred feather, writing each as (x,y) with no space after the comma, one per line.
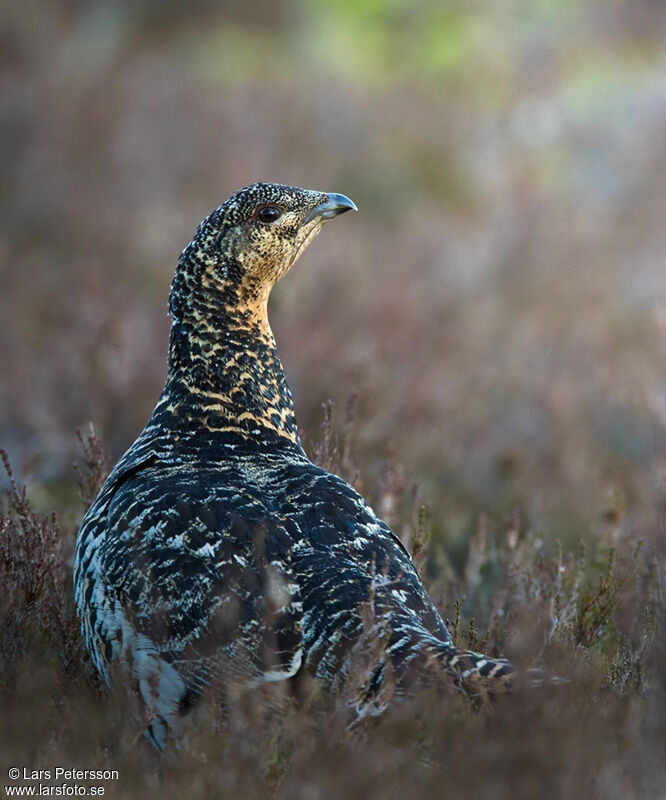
(216,554)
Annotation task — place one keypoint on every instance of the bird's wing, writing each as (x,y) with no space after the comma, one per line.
(352,570)
(201,572)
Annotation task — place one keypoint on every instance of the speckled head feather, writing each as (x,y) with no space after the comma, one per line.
(237,253)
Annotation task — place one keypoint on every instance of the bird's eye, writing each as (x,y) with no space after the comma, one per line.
(269,213)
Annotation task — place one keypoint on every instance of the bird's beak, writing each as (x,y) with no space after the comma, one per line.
(334,205)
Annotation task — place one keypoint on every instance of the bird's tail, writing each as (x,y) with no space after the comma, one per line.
(474,670)
(493,676)
(410,657)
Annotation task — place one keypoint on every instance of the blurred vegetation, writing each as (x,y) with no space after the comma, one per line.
(594,617)
(496,312)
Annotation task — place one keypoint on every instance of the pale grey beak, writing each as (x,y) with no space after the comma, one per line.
(334,205)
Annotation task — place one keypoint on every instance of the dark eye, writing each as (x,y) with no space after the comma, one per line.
(269,213)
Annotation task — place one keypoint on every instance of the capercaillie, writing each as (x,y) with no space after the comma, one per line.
(217,554)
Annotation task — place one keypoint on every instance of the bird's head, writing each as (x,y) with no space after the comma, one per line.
(247,244)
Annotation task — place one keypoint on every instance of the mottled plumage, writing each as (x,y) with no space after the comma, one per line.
(217,554)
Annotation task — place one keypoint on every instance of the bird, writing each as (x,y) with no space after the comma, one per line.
(217,554)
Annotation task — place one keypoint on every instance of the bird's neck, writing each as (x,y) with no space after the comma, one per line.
(225,376)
